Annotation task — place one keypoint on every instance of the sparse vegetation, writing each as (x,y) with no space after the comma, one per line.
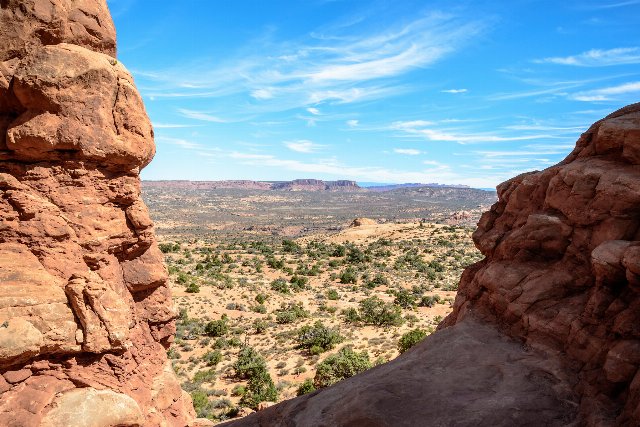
(270,313)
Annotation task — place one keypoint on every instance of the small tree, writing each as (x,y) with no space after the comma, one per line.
(349,276)
(259,389)
(249,363)
(306,387)
(410,339)
(318,337)
(217,328)
(344,364)
(374,311)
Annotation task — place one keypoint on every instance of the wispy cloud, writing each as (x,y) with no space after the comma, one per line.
(313,111)
(199,115)
(157,125)
(608,93)
(454,91)
(335,68)
(352,123)
(303,146)
(429,131)
(598,57)
(614,5)
(407,151)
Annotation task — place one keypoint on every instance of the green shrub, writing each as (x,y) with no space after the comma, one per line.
(298,283)
(193,288)
(306,387)
(429,301)
(280,285)
(259,389)
(318,337)
(290,313)
(201,403)
(208,375)
(260,308)
(351,315)
(182,278)
(260,326)
(261,298)
(344,364)
(333,295)
(348,275)
(405,299)
(212,358)
(291,247)
(374,311)
(378,280)
(169,247)
(410,339)
(217,328)
(249,363)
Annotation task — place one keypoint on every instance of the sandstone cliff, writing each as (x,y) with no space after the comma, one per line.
(545,330)
(85,310)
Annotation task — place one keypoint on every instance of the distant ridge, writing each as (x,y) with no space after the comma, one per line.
(294,185)
(388,187)
(309,184)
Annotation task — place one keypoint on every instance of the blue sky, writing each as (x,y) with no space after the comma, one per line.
(455,92)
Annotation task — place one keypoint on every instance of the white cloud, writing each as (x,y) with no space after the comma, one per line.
(342,68)
(262,94)
(313,111)
(352,123)
(601,5)
(454,91)
(607,93)
(199,115)
(303,146)
(426,130)
(171,125)
(407,151)
(598,57)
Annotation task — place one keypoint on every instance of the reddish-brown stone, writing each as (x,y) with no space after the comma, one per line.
(85,309)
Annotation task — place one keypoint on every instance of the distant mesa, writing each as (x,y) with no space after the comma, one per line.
(295,185)
(310,184)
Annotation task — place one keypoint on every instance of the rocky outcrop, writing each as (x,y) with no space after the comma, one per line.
(545,330)
(562,251)
(85,310)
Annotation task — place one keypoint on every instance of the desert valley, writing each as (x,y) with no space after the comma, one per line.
(286,276)
(341,297)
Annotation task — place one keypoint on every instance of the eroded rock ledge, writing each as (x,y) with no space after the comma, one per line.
(545,330)
(85,310)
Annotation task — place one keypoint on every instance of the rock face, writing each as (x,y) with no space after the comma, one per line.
(545,330)
(85,310)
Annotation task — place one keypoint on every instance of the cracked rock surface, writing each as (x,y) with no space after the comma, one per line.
(85,309)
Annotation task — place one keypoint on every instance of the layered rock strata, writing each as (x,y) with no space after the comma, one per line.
(85,309)
(545,330)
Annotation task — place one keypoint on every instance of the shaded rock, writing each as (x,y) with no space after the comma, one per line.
(466,375)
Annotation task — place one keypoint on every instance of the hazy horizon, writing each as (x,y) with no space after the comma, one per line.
(460,92)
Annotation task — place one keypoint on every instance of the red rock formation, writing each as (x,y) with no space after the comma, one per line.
(545,330)
(85,310)
(562,262)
